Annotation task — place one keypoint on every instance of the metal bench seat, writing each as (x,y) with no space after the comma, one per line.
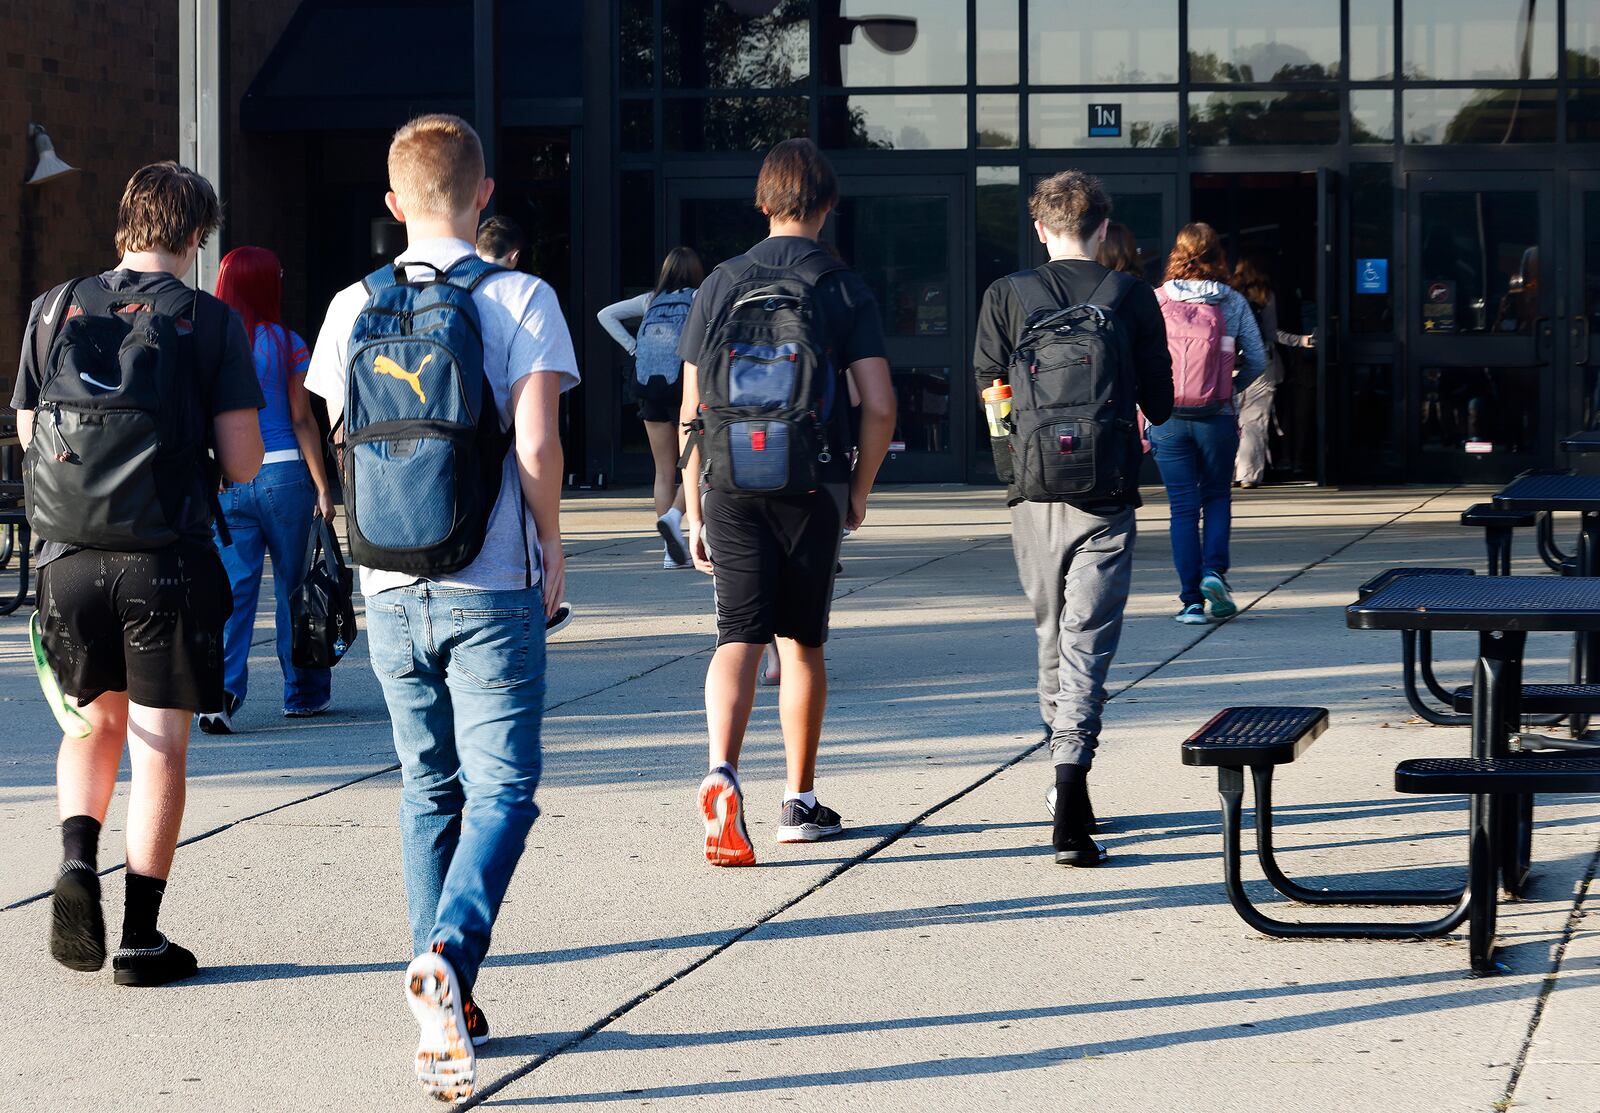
(1440,776)
(1544,699)
(1390,575)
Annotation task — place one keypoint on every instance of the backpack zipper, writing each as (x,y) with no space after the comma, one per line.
(409,316)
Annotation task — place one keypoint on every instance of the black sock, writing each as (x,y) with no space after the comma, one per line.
(142,909)
(80,840)
(1071,827)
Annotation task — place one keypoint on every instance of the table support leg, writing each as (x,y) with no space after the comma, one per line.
(1496,696)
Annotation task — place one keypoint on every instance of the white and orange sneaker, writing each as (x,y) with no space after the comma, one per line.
(722,807)
(445,1063)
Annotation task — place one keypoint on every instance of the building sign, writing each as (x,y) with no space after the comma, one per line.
(1439,307)
(1372,276)
(1105,121)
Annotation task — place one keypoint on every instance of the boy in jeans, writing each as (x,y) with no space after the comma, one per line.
(1076,560)
(135,638)
(774,556)
(461,658)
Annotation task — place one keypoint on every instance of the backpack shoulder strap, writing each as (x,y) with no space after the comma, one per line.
(817,266)
(469,272)
(1034,295)
(52,315)
(1111,290)
(380,279)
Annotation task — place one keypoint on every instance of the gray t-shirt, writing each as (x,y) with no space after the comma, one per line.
(523,333)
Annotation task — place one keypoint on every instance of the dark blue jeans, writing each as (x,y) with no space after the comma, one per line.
(1196,457)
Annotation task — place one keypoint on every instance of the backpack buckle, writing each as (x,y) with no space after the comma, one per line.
(1067,441)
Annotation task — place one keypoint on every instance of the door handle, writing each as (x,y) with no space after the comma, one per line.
(1578,337)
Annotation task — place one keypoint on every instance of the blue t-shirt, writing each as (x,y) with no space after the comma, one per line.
(273,345)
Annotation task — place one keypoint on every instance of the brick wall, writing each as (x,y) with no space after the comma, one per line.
(102,78)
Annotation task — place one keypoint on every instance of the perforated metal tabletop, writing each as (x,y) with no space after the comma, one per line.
(1481,603)
(1586,441)
(1551,492)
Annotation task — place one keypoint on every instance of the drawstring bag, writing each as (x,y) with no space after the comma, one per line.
(322,614)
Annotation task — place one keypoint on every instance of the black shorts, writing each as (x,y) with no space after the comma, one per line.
(774,560)
(660,409)
(149,624)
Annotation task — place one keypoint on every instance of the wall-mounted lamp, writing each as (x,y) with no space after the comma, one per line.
(49,163)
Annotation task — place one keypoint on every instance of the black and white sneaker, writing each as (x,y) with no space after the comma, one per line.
(669,527)
(800,823)
(149,966)
(221,722)
(1050,802)
(77,926)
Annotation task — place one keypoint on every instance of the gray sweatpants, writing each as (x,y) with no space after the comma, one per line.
(1255,421)
(1076,568)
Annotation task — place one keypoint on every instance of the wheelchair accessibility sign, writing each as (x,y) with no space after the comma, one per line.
(1372,276)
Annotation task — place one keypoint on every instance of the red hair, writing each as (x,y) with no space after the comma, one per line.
(250,280)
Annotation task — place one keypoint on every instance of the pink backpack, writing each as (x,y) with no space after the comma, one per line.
(1202,367)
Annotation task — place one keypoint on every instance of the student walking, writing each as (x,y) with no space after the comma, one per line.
(658,381)
(127,378)
(1256,401)
(1120,251)
(501,241)
(272,513)
(1210,329)
(457,534)
(1072,330)
(768,480)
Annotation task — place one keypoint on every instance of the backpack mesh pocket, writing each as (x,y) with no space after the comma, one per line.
(762,374)
(405,491)
(758,452)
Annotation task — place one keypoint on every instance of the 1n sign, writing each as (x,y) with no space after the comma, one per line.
(1105,121)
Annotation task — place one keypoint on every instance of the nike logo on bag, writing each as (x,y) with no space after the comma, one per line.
(383,365)
(84,375)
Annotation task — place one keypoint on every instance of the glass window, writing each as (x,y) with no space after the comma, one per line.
(1591,307)
(1583,38)
(1372,115)
(1479,115)
(732,123)
(1263,40)
(998,122)
(1374,453)
(1144,215)
(1479,265)
(1492,409)
(1583,115)
(638,266)
(999,34)
(900,245)
(1062,120)
(638,126)
(636,33)
(1463,40)
(719,227)
(895,42)
(1262,118)
(896,121)
(715,44)
(999,219)
(1123,43)
(1371,40)
(1374,268)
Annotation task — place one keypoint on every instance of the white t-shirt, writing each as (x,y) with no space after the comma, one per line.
(523,333)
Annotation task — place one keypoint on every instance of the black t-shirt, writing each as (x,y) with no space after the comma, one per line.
(849,312)
(1072,281)
(228,368)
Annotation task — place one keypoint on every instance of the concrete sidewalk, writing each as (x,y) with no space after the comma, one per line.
(932,956)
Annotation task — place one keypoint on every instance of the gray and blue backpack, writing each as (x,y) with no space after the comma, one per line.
(656,363)
(424,450)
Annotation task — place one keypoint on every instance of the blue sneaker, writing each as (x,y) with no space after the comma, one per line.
(1192,615)
(1215,589)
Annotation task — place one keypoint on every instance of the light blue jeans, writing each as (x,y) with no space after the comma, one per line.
(462,672)
(270,515)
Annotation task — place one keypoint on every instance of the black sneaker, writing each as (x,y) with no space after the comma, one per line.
(800,823)
(221,722)
(77,928)
(149,966)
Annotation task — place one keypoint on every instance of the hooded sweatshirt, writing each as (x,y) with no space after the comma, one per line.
(1237,321)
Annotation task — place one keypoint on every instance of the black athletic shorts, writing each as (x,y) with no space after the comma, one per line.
(774,560)
(660,409)
(149,624)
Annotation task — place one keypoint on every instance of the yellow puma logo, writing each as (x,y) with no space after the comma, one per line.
(383,365)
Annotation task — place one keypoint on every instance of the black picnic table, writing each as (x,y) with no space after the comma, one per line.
(1586,440)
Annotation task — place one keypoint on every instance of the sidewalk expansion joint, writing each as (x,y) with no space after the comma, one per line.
(575,1040)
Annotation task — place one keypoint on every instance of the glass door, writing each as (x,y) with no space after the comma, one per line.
(1583,314)
(1478,325)
(1146,203)
(901,234)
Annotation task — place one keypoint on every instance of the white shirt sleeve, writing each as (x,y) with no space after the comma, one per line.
(542,342)
(325,374)
(612,316)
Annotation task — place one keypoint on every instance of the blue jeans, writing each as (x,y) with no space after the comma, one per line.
(270,515)
(1196,457)
(462,672)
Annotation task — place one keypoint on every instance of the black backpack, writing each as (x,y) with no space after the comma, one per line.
(1073,394)
(769,386)
(118,457)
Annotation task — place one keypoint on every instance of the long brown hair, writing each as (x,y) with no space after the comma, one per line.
(1250,279)
(680,270)
(1197,253)
(1120,251)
